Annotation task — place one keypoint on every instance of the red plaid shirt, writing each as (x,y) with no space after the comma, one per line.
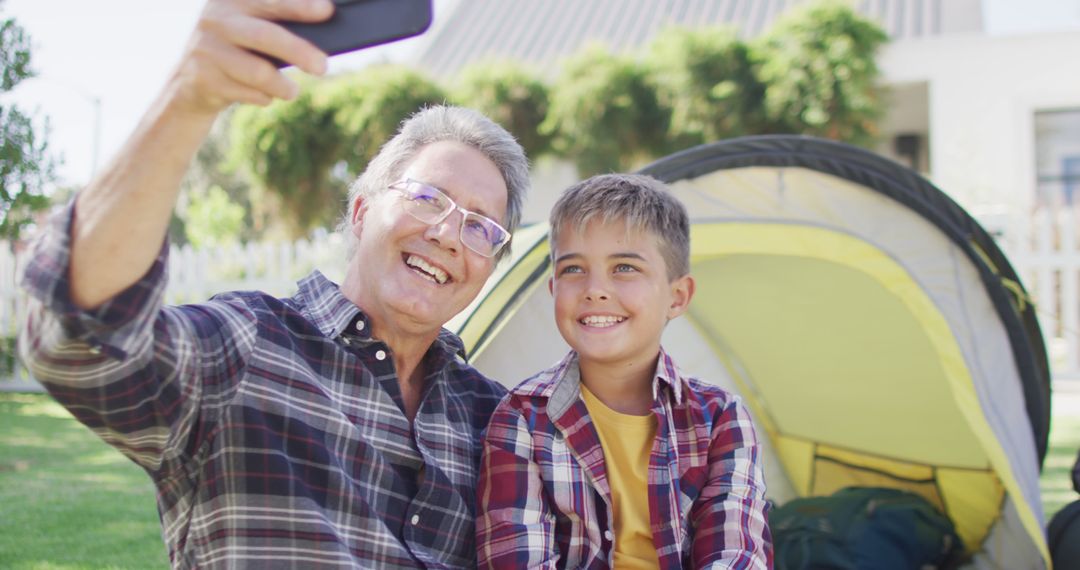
(544,495)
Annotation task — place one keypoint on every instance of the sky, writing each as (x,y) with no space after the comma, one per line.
(96,76)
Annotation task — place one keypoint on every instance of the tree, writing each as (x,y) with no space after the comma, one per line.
(708,79)
(25,164)
(813,73)
(212,218)
(302,154)
(370,106)
(512,97)
(287,151)
(210,169)
(604,113)
(821,76)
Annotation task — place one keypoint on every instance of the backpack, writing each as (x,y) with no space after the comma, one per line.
(863,528)
(1063,536)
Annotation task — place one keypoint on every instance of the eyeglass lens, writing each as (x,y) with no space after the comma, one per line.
(431,206)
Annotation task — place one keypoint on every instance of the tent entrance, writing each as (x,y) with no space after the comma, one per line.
(871,386)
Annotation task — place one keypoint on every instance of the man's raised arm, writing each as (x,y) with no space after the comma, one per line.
(122,216)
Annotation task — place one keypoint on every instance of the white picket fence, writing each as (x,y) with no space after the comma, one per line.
(1044,250)
(194,276)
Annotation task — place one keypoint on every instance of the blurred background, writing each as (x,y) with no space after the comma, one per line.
(979,96)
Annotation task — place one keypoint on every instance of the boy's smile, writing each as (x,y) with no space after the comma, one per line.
(613,296)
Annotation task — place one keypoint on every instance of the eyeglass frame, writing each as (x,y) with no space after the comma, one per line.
(454,207)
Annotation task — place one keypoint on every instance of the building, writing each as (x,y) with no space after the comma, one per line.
(993,120)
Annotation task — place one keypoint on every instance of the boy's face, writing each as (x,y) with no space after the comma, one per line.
(612,293)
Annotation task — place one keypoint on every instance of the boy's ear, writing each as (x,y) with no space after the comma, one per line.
(551,286)
(682,290)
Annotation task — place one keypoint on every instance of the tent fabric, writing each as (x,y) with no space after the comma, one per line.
(848,163)
(878,335)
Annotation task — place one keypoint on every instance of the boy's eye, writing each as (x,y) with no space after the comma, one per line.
(570,269)
(625,268)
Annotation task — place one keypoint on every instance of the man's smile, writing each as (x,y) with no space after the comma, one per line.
(427,269)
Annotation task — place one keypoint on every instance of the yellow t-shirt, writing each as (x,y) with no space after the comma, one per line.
(627,441)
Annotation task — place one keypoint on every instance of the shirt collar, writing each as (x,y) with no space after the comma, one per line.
(326,305)
(566,379)
(667,377)
(334,314)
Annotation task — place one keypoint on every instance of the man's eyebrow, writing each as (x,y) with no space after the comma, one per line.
(479,210)
(457,201)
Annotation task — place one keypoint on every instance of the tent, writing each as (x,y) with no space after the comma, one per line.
(877,333)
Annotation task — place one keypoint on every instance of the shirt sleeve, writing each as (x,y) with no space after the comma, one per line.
(132,371)
(515,527)
(730,516)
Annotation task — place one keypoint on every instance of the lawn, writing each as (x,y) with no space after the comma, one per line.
(68,501)
(1056,480)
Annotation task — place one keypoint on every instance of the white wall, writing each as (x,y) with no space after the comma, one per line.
(983,94)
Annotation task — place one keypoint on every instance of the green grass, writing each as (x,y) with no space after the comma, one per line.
(68,501)
(1056,480)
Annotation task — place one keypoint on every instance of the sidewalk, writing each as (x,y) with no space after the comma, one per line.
(13,384)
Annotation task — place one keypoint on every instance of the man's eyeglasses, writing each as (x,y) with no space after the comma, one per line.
(429,205)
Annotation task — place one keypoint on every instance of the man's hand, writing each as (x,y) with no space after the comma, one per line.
(122,216)
(220,65)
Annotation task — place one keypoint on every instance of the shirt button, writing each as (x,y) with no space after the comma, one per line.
(94,349)
(360,325)
(380,355)
(608,535)
(415,519)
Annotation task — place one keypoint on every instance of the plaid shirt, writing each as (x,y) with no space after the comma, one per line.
(271,428)
(544,495)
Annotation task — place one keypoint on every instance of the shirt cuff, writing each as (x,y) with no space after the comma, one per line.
(108,328)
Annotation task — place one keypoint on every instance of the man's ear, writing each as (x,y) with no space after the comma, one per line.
(358,209)
(682,290)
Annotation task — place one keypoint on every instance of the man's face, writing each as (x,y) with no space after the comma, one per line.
(415,276)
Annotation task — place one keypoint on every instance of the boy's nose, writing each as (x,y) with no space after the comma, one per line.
(596,291)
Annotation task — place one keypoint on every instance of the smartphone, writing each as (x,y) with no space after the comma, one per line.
(359,24)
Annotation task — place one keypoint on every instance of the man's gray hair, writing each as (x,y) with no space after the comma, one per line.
(437,124)
(642,202)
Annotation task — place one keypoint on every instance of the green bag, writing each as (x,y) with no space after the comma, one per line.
(860,528)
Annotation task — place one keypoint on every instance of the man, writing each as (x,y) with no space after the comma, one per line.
(336,428)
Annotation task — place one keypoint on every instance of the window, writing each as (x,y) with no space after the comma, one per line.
(1057,158)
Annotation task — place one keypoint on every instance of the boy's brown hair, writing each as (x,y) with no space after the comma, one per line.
(643,202)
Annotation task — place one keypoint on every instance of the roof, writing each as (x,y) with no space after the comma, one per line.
(541,32)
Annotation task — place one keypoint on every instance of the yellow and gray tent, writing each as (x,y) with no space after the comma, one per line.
(878,334)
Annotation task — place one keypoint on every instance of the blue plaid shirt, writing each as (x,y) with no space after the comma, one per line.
(272,428)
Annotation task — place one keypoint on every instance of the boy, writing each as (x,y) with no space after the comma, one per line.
(613,458)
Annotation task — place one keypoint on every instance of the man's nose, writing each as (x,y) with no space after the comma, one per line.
(447,233)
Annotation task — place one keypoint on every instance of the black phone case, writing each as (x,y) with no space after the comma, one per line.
(358,24)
